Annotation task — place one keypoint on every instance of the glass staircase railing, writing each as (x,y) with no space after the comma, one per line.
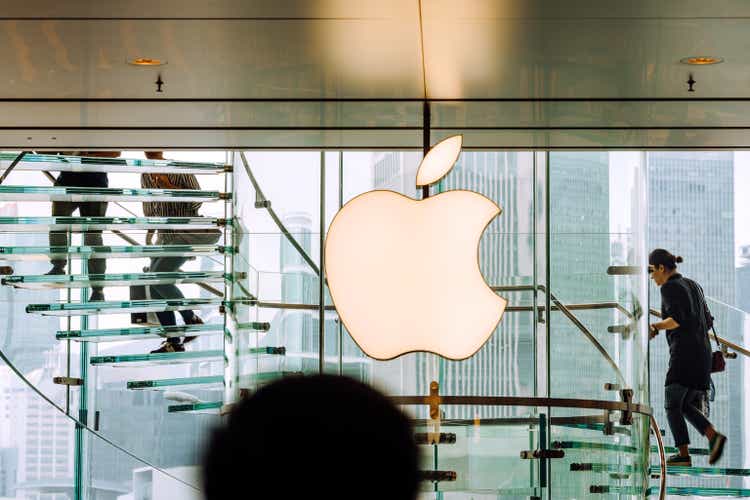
(104,223)
(141,333)
(118,307)
(64,163)
(86,194)
(106,251)
(43,281)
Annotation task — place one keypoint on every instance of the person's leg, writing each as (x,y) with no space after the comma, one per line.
(60,238)
(170,291)
(94,238)
(674,396)
(166,318)
(698,420)
(694,415)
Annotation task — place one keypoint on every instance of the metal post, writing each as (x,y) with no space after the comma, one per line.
(234,342)
(81,468)
(426,118)
(341,204)
(321,267)
(547,287)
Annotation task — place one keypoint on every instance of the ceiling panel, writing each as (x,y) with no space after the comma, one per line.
(210,59)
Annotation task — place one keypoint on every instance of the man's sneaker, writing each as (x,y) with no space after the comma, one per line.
(679,460)
(97,295)
(716,445)
(194,321)
(55,271)
(169,347)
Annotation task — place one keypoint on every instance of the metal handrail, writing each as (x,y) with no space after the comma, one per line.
(271,212)
(662,458)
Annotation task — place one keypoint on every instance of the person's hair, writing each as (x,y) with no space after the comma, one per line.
(661,257)
(319,436)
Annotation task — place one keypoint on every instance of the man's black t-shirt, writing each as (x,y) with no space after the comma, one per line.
(689,347)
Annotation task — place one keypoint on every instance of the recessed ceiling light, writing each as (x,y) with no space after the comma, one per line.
(702,60)
(146,61)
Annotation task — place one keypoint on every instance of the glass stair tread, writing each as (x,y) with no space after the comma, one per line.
(62,163)
(86,252)
(604,467)
(672,449)
(138,333)
(585,445)
(594,427)
(205,382)
(701,492)
(117,307)
(211,407)
(26,224)
(42,281)
(161,358)
(700,471)
(83,194)
(211,381)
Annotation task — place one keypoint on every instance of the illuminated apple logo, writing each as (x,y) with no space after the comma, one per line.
(404,274)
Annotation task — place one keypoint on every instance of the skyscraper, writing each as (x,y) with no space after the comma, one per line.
(691,213)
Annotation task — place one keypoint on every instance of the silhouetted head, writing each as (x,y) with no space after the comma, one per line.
(661,265)
(313,437)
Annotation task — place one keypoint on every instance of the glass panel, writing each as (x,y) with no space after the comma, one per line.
(597,218)
(84,194)
(615,460)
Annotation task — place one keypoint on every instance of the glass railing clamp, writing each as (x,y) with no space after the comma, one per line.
(69,381)
(542,454)
(626,416)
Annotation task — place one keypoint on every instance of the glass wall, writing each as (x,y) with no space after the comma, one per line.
(568,252)
(592,206)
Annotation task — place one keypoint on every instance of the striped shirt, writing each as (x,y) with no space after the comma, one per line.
(170,208)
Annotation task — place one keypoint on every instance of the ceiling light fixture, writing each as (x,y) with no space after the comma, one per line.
(702,60)
(146,61)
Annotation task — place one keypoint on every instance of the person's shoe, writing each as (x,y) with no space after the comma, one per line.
(56,270)
(679,460)
(169,347)
(716,445)
(97,295)
(194,321)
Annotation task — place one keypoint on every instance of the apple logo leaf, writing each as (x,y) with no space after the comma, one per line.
(439,160)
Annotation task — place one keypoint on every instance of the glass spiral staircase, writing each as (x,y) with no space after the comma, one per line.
(543,447)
